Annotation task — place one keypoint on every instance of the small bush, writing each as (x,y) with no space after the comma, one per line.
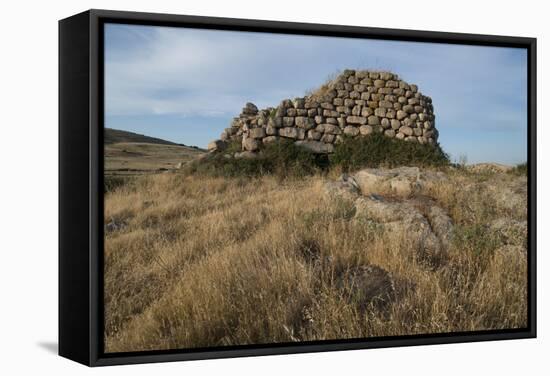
(111,183)
(378,150)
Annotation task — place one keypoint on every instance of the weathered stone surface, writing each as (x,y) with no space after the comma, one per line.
(316,146)
(373,120)
(389,133)
(217,145)
(291,112)
(276,122)
(351,131)
(288,132)
(380,112)
(366,112)
(385,90)
(331,129)
(257,133)
(330,113)
(304,122)
(366,130)
(424,225)
(407,131)
(288,121)
(250,109)
(269,139)
(356,110)
(400,115)
(408,122)
(271,131)
(298,102)
(356,120)
(250,144)
(342,122)
(314,135)
(328,138)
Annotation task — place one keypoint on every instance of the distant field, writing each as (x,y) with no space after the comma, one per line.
(130,158)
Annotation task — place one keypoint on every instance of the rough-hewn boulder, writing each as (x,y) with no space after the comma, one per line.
(217,145)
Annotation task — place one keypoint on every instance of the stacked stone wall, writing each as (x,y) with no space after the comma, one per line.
(354,104)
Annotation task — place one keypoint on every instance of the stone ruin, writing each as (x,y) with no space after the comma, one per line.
(354,104)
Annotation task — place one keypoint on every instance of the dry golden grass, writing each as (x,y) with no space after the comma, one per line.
(196,262)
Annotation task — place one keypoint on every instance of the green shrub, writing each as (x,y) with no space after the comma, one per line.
(378,150)
(282,158)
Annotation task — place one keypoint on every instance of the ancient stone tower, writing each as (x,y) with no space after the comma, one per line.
(354,104)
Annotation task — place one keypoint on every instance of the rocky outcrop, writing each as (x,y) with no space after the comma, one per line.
(354,104)
(395,200)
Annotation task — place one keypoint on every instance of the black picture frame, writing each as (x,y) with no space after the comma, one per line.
(81,185)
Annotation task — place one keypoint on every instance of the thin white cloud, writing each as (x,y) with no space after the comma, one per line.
(186,72)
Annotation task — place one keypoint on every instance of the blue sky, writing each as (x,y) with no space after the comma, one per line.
(185,85)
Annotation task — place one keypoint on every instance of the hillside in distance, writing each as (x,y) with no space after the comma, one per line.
(128,153)
(113,136)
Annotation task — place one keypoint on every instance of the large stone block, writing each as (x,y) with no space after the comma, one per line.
(373,120)
(304,122)
(316,147)
(407,131)
(356,120)
(380,111)
(379,83)
(288,121)
(351,131)
(217,145)
(366,130)
(331,129)
(250,144)
(257,133)
(289,132)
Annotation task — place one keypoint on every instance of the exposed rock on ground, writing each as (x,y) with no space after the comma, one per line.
(402,181)
(393,198)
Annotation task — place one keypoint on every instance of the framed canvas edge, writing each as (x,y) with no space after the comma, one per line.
(96,17)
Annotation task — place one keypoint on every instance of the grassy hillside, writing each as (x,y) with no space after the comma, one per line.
(112,136)
(128,153)
(194,261)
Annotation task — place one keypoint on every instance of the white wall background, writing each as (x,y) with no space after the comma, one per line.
(28,189)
